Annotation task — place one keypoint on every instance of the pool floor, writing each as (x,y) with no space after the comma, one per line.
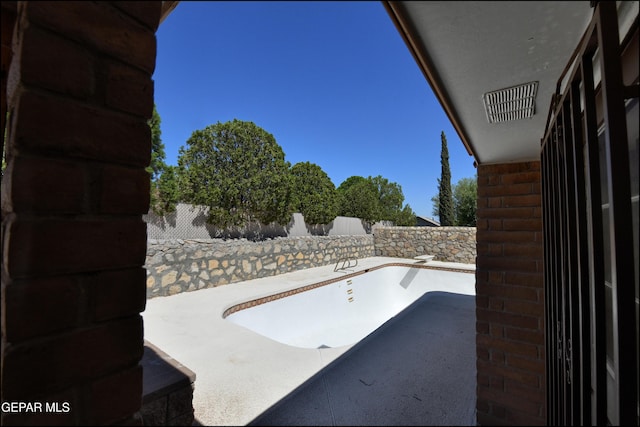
(417,369)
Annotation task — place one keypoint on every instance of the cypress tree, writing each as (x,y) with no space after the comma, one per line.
(445,196)
(163,187)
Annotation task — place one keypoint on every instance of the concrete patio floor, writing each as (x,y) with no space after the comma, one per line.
(417,369)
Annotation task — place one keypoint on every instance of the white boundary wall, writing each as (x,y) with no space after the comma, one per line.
(189,222)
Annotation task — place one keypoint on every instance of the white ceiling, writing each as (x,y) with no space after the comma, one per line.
(476,47)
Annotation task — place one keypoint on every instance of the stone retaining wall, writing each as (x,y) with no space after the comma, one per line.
(451,244)
(175,266)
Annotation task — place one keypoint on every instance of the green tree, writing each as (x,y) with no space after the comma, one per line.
(436,205)
(390,200)
(165,191)
(390,197)
(163,186)
(406,217)
(313,193)
(445,198)
(465,196)
(374,199)
(359,198)
(238,170)
(157,164)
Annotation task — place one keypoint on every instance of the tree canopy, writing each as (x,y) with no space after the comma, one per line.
(390,197)
(165,191)
(239,171)
(465,196)
(157,147)
(359,198)
(313,194)
(390,200)
(163,187)
(445,197)
(374,199)
(406,217)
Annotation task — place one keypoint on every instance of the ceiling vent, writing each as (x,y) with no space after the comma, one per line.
(512,103)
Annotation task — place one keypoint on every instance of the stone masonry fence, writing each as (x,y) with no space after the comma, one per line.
(181,265)
(451,244)
(175,266)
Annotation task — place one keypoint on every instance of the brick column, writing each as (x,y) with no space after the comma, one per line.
(509,296)
(73,195)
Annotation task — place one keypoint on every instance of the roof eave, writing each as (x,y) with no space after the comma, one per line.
(167,8)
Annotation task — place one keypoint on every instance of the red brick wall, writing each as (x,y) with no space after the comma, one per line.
(510,298)
(73,195)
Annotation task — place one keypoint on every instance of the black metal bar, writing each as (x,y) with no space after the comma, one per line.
(550,340)
(552,285)
(576,264)
(556,279)
(582,254)
(596,267)
(552,288)
(562,271)
(620,220)
(569,264)
(550,306)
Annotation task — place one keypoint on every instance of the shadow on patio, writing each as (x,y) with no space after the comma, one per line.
(417,369)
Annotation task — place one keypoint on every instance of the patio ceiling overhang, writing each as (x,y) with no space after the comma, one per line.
(468,49)
(167,8)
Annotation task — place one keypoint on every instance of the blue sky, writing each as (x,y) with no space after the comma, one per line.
(333,82)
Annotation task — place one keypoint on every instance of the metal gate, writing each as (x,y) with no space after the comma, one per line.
(589,163)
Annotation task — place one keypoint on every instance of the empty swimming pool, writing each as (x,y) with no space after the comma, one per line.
(343,311)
